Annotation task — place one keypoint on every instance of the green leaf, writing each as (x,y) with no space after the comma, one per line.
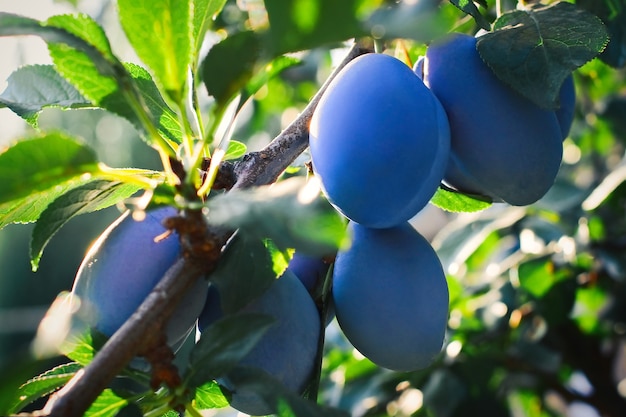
(82,346)
(203,13)
(613,14)
(292,213)
(111,91)
(535,50)
(297,25)
(538,276)
(160,31)
(209,396)
(44,384)
(224,344)
(108,404)
(263,75)
(39,163)
(229,65)
(244,272)
(87,198)
(33,87)
(235,150)
(456,202)
(469,7)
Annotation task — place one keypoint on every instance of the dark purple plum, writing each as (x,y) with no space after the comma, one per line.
(287,350)
(391,297)
(502,145)
(123,266)
(379,141)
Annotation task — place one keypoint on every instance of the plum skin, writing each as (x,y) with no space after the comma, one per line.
(379,141)
(287,351)
(391,297)
(502,145)
(121,269)
(310,270)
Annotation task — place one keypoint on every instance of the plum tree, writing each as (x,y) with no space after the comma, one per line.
(121,269)
(379,141)
(391,296)
(288,349)
(502,145)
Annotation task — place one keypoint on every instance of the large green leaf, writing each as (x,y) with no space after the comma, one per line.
(534,50)
(44,384)
(160,31)
(224,344)
(87,198)
(304,24)
(203,13)
(39,163)
(291,213)
(33,87)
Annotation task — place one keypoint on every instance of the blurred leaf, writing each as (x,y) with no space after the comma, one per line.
(609,184)
(87,198)
(44,384)
(235,150)
(244,272)
(229,65)
(458,202)
(262,76)
(277,396)
(536,355)
(39,163)
(203,13)
(108,404)
(297,25)
(421,21)
(209,396)
(443,392)
(469,7)
(591,301)
(290,212)
(160,31)
(82,347)
(224,344)
(534,50)
(613,14)
(33,87)
(15,369)
(537,276)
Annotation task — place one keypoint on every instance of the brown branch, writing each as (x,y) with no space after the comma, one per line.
(141,331)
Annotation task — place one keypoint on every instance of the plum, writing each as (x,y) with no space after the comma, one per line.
(123,266)
(287,350)
(502,145)
(391,296)
(379,141)
(310,270)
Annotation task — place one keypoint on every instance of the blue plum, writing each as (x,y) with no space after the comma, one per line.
(310,270)
(121,269)
(391,296)
(502,145)
(288,349)
(379,141)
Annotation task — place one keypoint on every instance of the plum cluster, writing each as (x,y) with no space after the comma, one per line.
(382,140)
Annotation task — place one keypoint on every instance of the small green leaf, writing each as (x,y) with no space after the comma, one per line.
(229,65)
(235,150)
(534,50)
(44,384)
(81,347)
(87,198)
(456,202)
(292,213)
(224,344)
(297,25)
(39,163)
(203,13)
(244,272)
(33,87)
(469,7)
(108,404)
(209,396)
(160,31)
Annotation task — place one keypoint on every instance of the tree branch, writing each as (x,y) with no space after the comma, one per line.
(142,330)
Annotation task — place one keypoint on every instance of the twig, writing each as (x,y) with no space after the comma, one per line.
(141,330)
